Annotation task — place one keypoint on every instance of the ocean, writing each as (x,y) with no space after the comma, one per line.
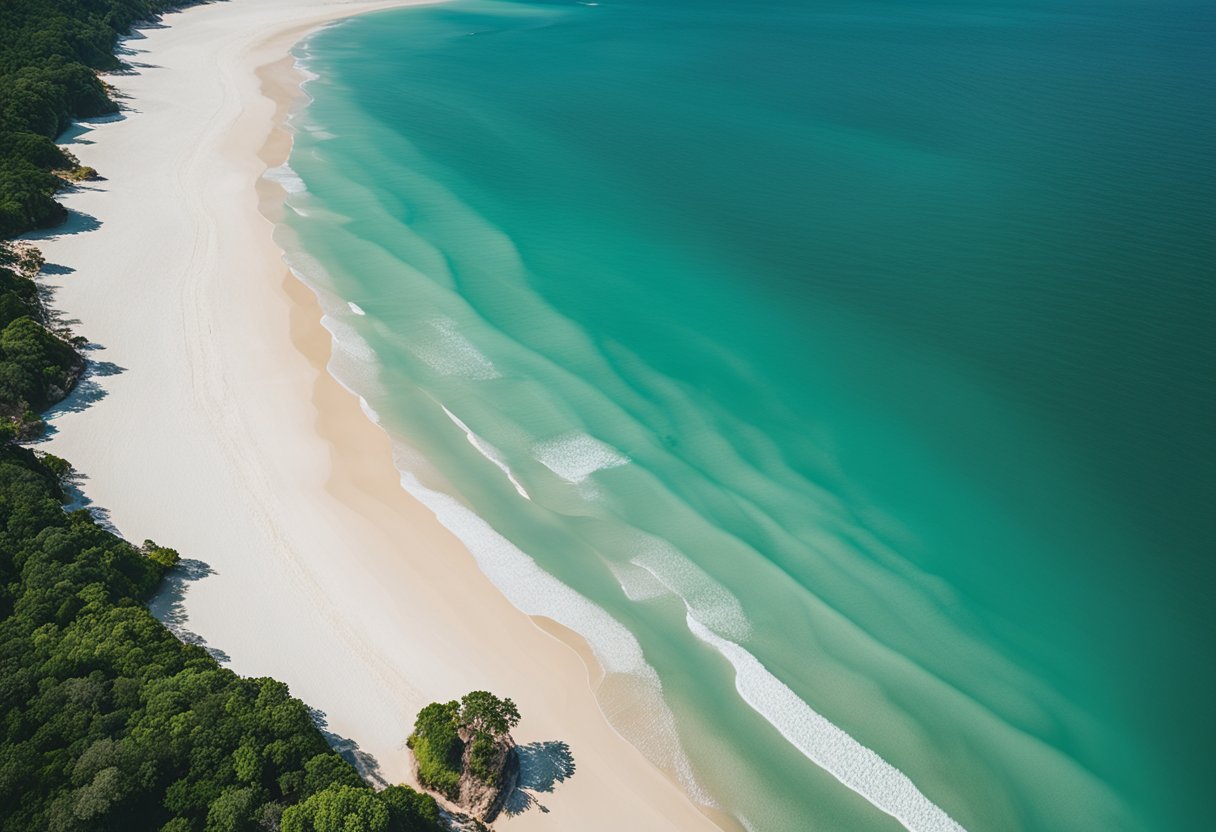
(841,371)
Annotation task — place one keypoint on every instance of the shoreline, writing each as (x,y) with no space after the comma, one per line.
(331,627)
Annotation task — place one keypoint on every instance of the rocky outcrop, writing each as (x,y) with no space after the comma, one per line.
(464,751)
(484,798)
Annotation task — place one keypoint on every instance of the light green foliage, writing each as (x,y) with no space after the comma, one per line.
(234,809)
(338,809)
(481,712)
(57,465)
(482,753)
(329,769)
(178,825)
(437,747)
(163,555)
(247,764)
(482,717)
(359,809)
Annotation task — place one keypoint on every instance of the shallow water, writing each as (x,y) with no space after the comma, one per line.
(843,367)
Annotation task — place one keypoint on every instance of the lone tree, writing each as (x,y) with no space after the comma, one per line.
(481,712)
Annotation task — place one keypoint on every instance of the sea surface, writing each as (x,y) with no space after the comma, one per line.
(842,371)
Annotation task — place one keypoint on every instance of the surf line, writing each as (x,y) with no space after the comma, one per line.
(826,745)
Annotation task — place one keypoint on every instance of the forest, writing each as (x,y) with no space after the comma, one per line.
(111,723)
(50,52)
(107,720)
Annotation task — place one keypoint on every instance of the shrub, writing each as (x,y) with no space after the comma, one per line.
(163,555)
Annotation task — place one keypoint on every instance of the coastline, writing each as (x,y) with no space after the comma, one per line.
(273,467)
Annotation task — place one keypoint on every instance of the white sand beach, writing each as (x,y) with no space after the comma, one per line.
(209,424)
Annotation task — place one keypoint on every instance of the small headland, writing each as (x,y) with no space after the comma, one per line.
(463,750)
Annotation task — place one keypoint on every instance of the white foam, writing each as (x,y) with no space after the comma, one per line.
(488,451)
(286,178)
(308,270)
(349,342)
(576,456)
(826,745)
(356,308)
(708,601)
(369,411)
(637,583)
(452,354)
(535,592)
(306,75)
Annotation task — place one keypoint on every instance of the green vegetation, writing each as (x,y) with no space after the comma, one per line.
(50,51)
(166,557)
(108,722)
(347,808)
(438,748)
(479,723)
(37,367)
(111,723)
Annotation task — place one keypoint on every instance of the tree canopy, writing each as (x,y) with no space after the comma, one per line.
(109,722)
(481,712)
(37,367)
(50,52)
(480,722)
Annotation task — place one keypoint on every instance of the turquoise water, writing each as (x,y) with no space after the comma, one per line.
(846,367)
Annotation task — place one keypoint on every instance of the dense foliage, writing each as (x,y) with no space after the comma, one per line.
(350,809)
(438,748)
(49,53)
(37,367)
(479,724)
(111,723)
(107,720)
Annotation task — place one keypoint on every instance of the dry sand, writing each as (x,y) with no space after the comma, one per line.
(209,424)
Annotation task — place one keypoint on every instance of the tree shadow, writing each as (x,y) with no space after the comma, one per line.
(168,604)
(366,764)
(78,222)
(132,67)
(91,184)
(87,392)
(55,268)
(542,765)
(74,134)
(460,822)
(73,489)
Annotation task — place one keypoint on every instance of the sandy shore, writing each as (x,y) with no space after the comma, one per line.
(209,424)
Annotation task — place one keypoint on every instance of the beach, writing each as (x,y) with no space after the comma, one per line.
(207,422)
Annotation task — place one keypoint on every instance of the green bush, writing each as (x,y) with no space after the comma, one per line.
(482,753)
(57,465)
(347,808)
(36,367)
(437,747)
(482,718)
(163,555)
